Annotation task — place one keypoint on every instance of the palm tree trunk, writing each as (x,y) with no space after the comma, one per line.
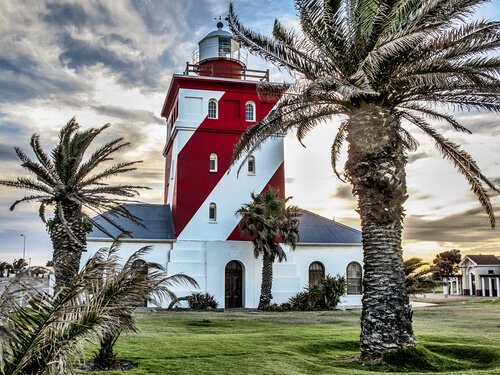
(67,252)
(267,282)
(105,358)
(376,169)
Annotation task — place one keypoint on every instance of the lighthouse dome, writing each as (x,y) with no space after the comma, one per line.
(219,44)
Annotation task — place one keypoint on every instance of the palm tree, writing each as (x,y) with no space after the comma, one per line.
(417,278)
(19,264)
(68,183)
(97,304)
(268,221)
(377,64)
(129,286)
(5,266)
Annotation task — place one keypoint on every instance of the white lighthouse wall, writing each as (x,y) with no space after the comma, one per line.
(231,192)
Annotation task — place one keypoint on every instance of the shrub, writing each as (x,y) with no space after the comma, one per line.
(202,301)
(323,296)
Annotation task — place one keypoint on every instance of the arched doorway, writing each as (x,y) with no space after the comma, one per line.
(234,285)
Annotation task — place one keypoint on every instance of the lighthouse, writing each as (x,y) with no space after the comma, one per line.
(195,230)
(207,108)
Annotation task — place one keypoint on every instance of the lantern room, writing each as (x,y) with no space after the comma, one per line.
(219,55)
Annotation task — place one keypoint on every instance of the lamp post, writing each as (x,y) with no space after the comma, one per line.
(24,245)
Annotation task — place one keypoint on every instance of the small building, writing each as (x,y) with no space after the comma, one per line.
(480,275)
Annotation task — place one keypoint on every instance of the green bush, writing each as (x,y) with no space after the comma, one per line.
(323,296)
(202,301)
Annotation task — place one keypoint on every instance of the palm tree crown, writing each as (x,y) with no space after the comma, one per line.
(376,64)
(408,57)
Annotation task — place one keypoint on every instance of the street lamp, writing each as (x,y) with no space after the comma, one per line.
(24,245)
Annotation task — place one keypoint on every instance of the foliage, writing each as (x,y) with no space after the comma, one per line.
(323,296)
(446,264)
(202,301)
(19,264)
(42,337)
(69,182)
(267,220)
(378,65)
(5,268)
(130,285)
(417,278)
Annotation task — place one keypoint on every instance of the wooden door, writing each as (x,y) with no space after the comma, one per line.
(233,285)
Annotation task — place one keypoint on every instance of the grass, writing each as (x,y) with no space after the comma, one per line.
(454,337)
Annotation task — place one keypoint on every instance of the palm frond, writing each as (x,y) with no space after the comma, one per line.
(462,161)
(337,145)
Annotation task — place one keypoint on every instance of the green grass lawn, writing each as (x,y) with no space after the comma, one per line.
(454,337)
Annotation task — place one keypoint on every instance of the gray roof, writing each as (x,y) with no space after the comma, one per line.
(156,218)
(318,229)
(484,260)
(158,225)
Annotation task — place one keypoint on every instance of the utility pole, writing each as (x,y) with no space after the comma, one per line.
(24,246)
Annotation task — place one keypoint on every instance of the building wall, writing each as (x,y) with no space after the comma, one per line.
(206,261)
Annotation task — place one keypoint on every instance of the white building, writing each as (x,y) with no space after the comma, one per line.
(195,230)
(480,275)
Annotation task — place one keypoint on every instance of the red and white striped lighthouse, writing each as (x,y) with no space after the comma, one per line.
(207,108)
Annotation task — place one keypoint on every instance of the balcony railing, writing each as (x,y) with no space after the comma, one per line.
(208,70)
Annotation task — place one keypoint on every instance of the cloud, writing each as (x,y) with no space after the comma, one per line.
(343,191)
(131,116)
(468,226)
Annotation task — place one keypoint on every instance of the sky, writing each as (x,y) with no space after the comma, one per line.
(112,61)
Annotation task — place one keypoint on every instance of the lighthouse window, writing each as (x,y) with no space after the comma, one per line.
(212,212)
(251,165)
(250,111)
(224,47)
(212,108)
(213,162)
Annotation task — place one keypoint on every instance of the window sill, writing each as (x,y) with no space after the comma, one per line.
(212,222)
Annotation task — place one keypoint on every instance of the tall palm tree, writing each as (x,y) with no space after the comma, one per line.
(377,64)
(69,183)
(268,221)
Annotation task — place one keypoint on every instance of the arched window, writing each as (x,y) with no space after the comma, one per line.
(250,111)
(212,212)
(354,278)
(213,162)
(212,108)
(316,273)
(251,165)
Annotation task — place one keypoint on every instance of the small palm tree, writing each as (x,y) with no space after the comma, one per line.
(268,221)
(417,277)
(68,183)
(129,286)
(97,304)
(5,268)
(377,64)
(19,264)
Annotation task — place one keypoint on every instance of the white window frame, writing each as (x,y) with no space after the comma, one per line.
(251,160)
(213,157)
(252,104)
(360,285)
(212,218)
(214,101)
